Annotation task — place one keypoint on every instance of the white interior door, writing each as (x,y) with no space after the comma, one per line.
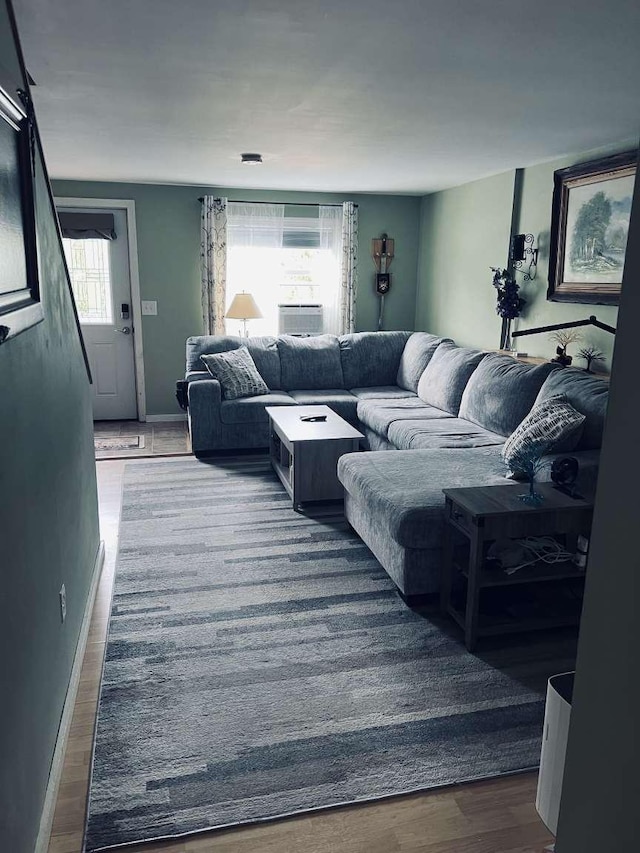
(99,271)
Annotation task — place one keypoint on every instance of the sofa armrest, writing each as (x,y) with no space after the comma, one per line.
(182,386)
(204,394)
(205,399)
(197,375)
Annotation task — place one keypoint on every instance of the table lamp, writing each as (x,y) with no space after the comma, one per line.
(243,307)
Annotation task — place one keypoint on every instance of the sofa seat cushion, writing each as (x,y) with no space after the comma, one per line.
(250,410)
(447,374)
(416,355)
(442,432)
(342,402)
(263,350)
(383,392)
(587,394)
(310,363)
(402,491)
(371,358)
(378,415)
(501,392)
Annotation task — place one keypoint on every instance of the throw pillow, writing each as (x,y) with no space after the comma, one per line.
(237,373)
(552,424)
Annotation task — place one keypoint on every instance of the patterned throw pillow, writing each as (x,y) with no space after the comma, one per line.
(237,373)
(553,425)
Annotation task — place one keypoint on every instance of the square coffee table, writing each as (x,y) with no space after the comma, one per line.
(305,454)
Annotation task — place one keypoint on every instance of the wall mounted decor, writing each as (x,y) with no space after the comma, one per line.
(20,306)
(382,252)
(589,228)
(523,256)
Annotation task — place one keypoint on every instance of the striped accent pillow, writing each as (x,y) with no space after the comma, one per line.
(237,373)
(551,425)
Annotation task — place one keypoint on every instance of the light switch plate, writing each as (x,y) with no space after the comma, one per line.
(150,307)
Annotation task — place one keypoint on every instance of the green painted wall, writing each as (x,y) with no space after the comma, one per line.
(463,232)
(48,531)
(168,224)
(467,229)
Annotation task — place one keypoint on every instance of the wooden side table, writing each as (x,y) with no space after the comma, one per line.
(483,514)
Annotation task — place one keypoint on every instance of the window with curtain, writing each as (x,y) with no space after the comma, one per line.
(284,259)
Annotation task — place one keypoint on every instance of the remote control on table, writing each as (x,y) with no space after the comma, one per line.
(313,418)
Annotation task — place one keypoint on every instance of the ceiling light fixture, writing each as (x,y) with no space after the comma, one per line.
(251,159)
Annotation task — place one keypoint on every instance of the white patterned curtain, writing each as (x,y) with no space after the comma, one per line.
(330,217)
(349,268)
(213,257)
(254,230)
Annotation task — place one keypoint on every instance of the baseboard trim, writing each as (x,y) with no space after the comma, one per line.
(154,419)
(55,773)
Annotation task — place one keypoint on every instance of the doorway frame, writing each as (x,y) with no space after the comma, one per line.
(129,207)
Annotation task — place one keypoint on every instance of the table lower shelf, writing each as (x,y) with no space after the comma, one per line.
(540,572)
(284,475)
(545,606)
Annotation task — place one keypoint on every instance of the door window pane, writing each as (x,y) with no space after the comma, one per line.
(89,268)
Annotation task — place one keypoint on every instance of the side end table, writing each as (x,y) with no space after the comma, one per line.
(480,515)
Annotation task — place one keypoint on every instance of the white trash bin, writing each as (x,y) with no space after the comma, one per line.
(554,747)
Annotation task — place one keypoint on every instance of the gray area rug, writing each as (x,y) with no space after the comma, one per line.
(261,663)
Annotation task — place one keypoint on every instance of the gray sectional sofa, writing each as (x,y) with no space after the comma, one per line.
(445,412)
(337,372)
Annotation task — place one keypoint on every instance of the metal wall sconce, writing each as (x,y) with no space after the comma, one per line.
(523,256)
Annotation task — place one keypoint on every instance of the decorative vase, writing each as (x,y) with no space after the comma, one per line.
(505,334)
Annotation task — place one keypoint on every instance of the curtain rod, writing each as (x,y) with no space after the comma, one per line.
(293,203)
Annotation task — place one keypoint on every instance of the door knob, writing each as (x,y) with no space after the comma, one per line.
(126,330)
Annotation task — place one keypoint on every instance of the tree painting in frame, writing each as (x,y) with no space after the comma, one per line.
(589,228)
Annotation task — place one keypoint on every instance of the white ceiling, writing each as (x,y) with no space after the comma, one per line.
(401,96)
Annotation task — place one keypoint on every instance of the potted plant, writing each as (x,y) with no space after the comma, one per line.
(509,303)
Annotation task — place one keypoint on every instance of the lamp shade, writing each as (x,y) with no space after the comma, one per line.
(243,307)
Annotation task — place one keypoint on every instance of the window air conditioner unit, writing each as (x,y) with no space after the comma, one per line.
(300,319)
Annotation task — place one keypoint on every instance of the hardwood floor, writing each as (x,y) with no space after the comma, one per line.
(496,816)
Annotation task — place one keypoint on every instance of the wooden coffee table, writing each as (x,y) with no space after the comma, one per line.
(305,454)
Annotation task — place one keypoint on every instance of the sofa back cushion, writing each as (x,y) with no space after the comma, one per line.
(586,393)
(447,374)
(502,391)
(310,363)
(416,355)
(263,350)
(371,358)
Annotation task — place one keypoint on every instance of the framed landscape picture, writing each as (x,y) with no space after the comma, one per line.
(589,229)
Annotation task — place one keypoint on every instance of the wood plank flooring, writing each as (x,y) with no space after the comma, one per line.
(496,816)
